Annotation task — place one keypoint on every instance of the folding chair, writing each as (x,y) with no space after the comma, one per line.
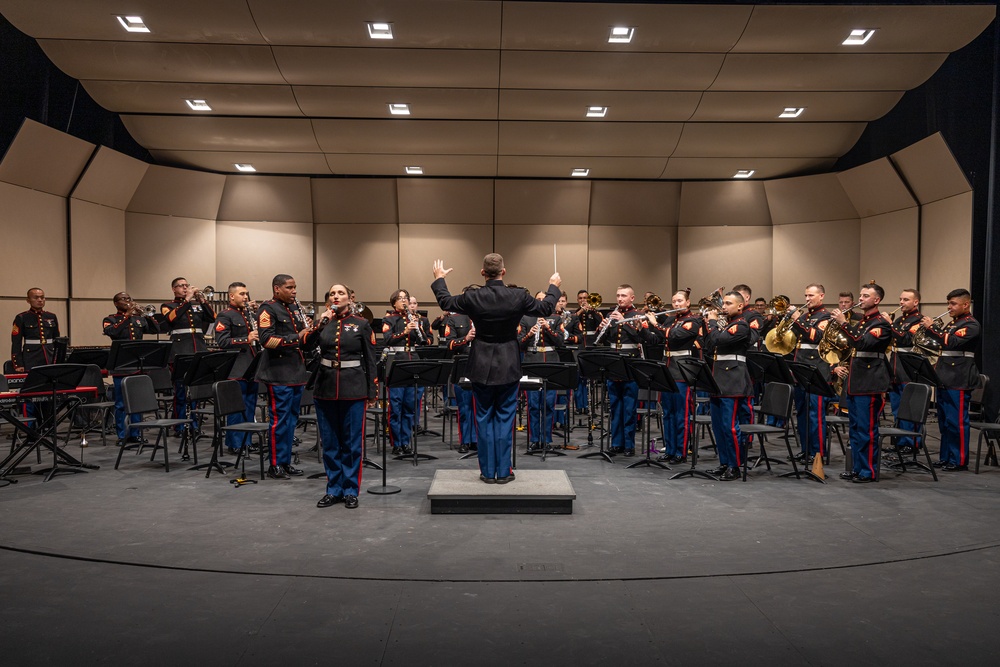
(914,405)
(140,399)
(229,401)
(776,402)
(989,430)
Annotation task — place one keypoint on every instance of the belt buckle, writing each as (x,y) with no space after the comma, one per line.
(334,363)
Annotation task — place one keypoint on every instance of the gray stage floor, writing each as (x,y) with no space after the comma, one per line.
(141,566)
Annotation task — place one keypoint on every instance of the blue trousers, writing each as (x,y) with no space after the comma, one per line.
(341,427)
(811,422)
(238,440)
(466,403)
(283,403)
(581,394)
(953,420)
(538,432)
(725,412)
(120,415)
(623,398)
(863,413)
(677,409)
(496,407)
(745,407)
(895,394)
(401,415)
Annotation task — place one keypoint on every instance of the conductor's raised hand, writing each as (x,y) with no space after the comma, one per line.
(439,270)
(556,279)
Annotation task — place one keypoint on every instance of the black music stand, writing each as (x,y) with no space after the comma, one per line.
(430,353)
(601,366)
(137,356)
(554,375)
(767,367)
(812,381)
(459,362)
(417,373)
(53,379)
(697,374)
(384,489)
(651,376)
(207,368)
(918,368)
(97,357)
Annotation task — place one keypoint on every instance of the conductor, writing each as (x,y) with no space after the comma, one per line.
(494,366)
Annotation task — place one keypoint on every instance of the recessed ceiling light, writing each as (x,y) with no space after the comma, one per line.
(198,105)
(597,112)
(414,171)
(859,36)
(133,23)
(791,112)
(244,167)
(399,109)
(380,30)
(580,172)
(621,35)
(744,173)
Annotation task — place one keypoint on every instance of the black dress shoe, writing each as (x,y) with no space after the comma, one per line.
(939,464)
(629,452)
(397,451)
(233,452)
(863,480)
(407,450)
(488,480)
(351,502)
(329,501)
(295,472)
(663,458)
(951,467)
(848,475)
(277,472)
(474,447)
(463,449)
(717,471)
(676,459)
(730,474)
(508,478)
(616,450)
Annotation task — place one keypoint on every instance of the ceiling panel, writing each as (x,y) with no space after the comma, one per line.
(264,163)
(330,66)
(395,165)
(600,166)
(407,136)
(900,29)
(168,98)
(608,71)
(826,71)
(585,26)
(428,103)
(582,138)
(819,105)
(719,168)
(768,139)
(292,135)
(573,104)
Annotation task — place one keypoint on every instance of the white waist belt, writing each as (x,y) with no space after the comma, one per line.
(904,349)
(627,346)
(540,348)
(679,353)
(32,342)
(396,348)
(590,333)
(730,357)
(868,354)
(808,346)
(956,353)
(334,363)
(174,332)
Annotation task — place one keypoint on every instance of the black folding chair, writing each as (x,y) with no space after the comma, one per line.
(988,427)
(140,399)
(776,402)
(229,401)
(914,405)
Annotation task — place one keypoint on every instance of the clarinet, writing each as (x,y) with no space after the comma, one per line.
(253,327)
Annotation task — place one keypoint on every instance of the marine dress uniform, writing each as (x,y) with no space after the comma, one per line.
(623,396)
(867,381)
(125,326)
(232,332)
(550,337)
(902,329)
(456,327)
(32,339)
(186,322)
(810,408)
(956,368)
(402,400)
(729,369)
(680,336)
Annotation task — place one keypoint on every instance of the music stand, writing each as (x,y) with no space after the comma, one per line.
(651,376)
(207,368)
(97,357)
(129,357)
(767,367)
(53,379)
(439,354)
(697,374)
(601,366)
(416,373)
(812,381)
(459,362)
(918,368)
(60,346)
(560,376)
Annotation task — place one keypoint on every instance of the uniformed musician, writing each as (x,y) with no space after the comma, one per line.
(345,382)
(809,323)
(401,333)
(32,337)
(680,335)
(236,329)
(427,340)
(956,368)
(903,327)
(539,338)
(729,345)
(459,336)
(282,325)
(756,322)
(867,378)
(845,303)
(186,319)
(585,322)
(127,323)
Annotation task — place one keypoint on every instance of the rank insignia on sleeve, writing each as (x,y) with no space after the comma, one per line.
(822,325)
(15,331)
(755,325)
(687,325)
(447,330)
(220,327)
(733,329)
(385,327)
(914,328)
(265,320)
(877,331)
(164,310)
(961,332)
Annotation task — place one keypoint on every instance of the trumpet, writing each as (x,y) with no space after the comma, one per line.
(135,310)
(204,294)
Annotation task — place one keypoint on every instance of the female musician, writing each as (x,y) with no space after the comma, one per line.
(344,382)
(401,332)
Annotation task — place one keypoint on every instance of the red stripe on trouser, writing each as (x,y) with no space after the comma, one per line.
(274,426)
(528,410)
(962,444)
(820,431)
(388,419)
(361,465)
(687,420)
(458,420)
(475,424)
(871,435)
(732,427)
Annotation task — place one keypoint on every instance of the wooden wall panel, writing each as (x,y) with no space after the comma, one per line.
(160,248)
(542,202)
(639,256)
(354,200)
(266,198)
(461,248)
(365,257)
(889,252)
(527,253)
(945,246)
(241,256)
(97,249)
(445,201)
(718,203)
(710,257)
(816,252)
(34,240)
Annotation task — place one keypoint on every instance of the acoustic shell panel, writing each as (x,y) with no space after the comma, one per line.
(239,256)
(724,203)
(621,203)
(159,248)
(930,169)
(266,198)
(180,192)
(354,200)
(532,253)
(945,246)
(45,159)
(445,201)
(542,202)
(110,179)
(420,245)
(802,255)
(710,257)
(363,257)
(96,249)
(808,199)
(34,224)
(876,188)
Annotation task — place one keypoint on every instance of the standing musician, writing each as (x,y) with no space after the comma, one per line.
(585,323)
(756,322)
(459,334)
(753,317)
(282,327)
(845,303)
(186,319)
(680,336)
(428,339)
(401,332)
(32,337)
(730,344)
(903,328)
(539,338)
(956,368)
(626,337)
(236,329)
(867,379)
(809,323)
(494,366)
(127,323)
(345,382)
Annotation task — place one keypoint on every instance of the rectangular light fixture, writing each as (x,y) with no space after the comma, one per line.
(597,112)
(621,35)
(580,172)
(380,30)
(399,109)
(744,173)
(414,171)
(133,23)
(859,36)
(244,167)
(198,105)
(791,112)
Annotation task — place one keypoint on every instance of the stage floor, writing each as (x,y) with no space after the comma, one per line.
(647,569)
